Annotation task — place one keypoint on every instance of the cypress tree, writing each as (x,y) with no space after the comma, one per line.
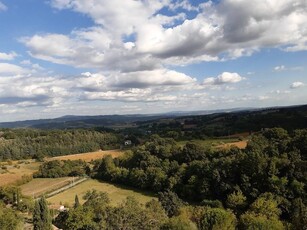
(41,215)
(77,202)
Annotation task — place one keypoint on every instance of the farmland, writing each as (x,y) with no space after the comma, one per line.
(12,172)
(87,157)
(239,144)
(212,142)
(116,193)
(39,186)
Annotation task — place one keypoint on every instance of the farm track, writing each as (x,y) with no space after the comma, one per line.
(64,188)
(67,187)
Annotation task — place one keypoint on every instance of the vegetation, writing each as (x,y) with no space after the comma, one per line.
(41,215)
(56,168)
(117,194)
(32,143)
(9,219)
(260,184)
(194,186)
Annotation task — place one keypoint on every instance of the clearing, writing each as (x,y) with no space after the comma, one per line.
(239,144)
(12,172)
(212,142)
(116,193)
(88,156)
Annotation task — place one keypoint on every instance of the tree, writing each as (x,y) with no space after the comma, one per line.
(236,201)
(79,218)
(178,223)
(9,219)
(130,215)
(299,214)
(251,221)
(217,218)
(41,215)
(77,202)
(170,202)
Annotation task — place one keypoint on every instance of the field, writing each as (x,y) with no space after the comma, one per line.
(12,172)
(40,186)
(89,156)
(116,193)
(239,144)
(213,142)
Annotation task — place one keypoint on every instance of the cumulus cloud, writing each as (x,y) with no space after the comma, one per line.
(136,35)
(8,56)
(296,85)
(223,78)
(141,86)
(9,69)
(139,79)
(3,7)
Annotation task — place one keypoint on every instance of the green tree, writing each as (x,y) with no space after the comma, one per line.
(299,214)
(80,218)
(41,215)
(236,201)
(252,221)
(77,202)
(129,215)
(179,223)
(170,202)
(217,218)
(9,219)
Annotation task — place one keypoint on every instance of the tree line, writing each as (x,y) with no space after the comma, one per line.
(18,144)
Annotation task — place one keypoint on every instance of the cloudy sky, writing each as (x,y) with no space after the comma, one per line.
(60,57)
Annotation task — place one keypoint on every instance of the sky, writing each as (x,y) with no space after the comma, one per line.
(97,57)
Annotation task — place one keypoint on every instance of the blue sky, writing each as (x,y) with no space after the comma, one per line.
(60,57)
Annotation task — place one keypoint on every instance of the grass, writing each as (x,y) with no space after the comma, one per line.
(15,170)
(12,172)
(40,186)
(116,193)
(213,142)
(239,144)
(88,156)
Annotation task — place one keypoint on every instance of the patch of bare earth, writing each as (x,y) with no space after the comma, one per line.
(239,144)
(89,156)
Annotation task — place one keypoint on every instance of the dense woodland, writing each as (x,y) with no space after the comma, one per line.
(263,185)
(18,144)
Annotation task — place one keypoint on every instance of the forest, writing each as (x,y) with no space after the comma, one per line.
(16,144)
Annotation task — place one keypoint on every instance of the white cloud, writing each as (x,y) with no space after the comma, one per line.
(34,66)
(280,68)
(3,7)
(8,56)
(135,35)
(32,90)
(9,69)
(296,85)
(223,78)
(140,79)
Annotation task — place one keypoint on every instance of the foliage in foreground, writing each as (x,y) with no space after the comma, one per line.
(263,184)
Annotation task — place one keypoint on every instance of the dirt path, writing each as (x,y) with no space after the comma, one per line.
(62,189)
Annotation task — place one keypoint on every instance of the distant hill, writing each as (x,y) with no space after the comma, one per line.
(255,118)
